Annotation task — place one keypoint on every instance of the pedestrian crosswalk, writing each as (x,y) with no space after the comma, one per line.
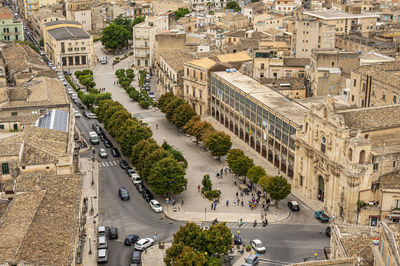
(108,163)
(234,225)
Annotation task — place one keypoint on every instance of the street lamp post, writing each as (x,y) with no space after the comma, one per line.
(90,246)
(91,204)
(92,176)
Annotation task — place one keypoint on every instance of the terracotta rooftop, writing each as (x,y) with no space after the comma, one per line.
(19,56)
(204,62)
(176,58)
(234,57)
(5,13)
(384,72)
(10,144)
(372,117)
(39,227)
(390,180)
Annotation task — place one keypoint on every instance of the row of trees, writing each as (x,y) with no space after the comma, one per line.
(182,115)
(125,78)
(162,167)
(85,78)
(194,246)
(276,186)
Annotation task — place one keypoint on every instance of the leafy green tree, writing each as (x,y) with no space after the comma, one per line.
(218,143)
(103,107)
(199,129)
(206,182)
(190,257)
(233,154)
(116,121)
(190,235)
(182,115)
(130,134)
(142,156)
(181,12)
(88,99)
(167,176)
(151,159)
(241,165)
(138,147)
(110,111)
(164,100)
(134,94)
(115,36)
(233,5)
(101,97)
(144,104)
(214,261)
(127,23)
(218,239)
(170,109)
(138,20)
(255,173)
(277,187)
(177,155)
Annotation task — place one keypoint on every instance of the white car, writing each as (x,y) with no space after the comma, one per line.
(42,53)
(136,179)
(103,153)
(155,205)
(70,91)
(257,245)
(65,83)
(144,243)
(77,114)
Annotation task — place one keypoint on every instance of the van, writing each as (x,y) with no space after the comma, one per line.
(104,60)
(94,138)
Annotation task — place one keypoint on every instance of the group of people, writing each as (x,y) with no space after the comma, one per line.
(102,89)
(222,171)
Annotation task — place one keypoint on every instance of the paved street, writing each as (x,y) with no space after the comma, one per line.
(289,240)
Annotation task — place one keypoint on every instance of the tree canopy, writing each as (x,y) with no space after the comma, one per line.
(241,165)
(277,187)
(115,36)
(218,143)
(234,6)
(167,176)
(232,155)
(181,12)
(182,114)
(199,129)
(255,173)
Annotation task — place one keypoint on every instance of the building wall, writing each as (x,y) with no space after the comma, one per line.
(254,123)
(267,24)
(195,88)
(168,79)
(67,54)
(84,17)
(11,30)
(310,35)
(274,68)
(38,20)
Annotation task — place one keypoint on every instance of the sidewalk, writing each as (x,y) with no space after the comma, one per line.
(90,192)
(259,160)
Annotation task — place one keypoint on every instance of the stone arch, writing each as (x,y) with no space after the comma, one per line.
(270,156)
(231,126)
(264,151)
(213,112)
(350,154)
(362,156)
(323,144)
(246,137)
(226,122)
(241,135)
(221,118)
(258,147)
(236,130)
(217,115)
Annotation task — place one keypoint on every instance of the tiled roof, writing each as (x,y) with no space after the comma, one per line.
(68,33)
(10,144)
(40,226)
(390,180)
(234,57)
(371,118)
(204,62)
(176,58)
(382,72)
(296,62)
(19,56)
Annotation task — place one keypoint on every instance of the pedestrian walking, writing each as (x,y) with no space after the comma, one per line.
(215,205)
(235,182)
(212,205)
(227,203)
(242,203)
(217,174)
(238,201)
(237,194)
(263,205)
(222,172)
(241,194)
(156,126)
(225,169)
(198,188)
(279,172)
(234,203)
(275,218)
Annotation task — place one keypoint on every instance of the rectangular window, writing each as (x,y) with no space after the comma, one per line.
(1,126)
(62,47)
(376,166)
(4,169)
(77,61)
(64,61)
(397,204)
(16,29)
(83,60)
(394,164)
(70,61)
(14,113)
(16,37)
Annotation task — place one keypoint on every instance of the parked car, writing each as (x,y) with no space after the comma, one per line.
(293,205)
(101,230)
(150,93)
(65,83)
(97,128)
(147,195)
(123,164)
(70,91)
(102,242)
(155,205)
(257,245)
(42,53)
(89,115)
(103,153)
(136,257)
(136,179)
(123,193)
(130,171)
(147,88)
(321,216)
(80,106)
(102,257)
(139,187)
(77,114)
(144,243)
(328,231)
(251,260)
(108,143)
(130,240)
(112,233)
(115,152)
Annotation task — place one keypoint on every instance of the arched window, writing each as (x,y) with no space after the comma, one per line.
(323,144)
(350,154)
(362,156)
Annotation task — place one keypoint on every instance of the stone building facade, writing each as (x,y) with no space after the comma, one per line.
(343,156)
